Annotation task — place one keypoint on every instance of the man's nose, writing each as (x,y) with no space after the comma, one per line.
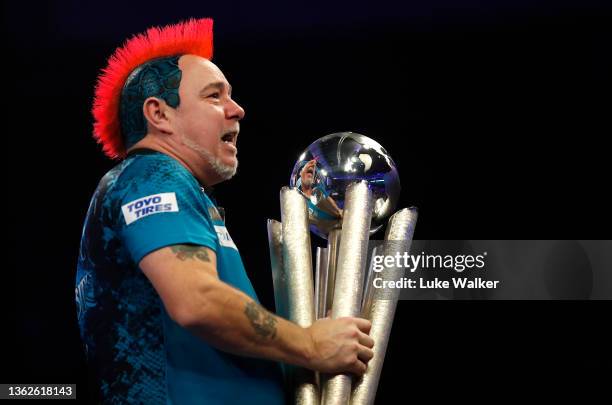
(234,111)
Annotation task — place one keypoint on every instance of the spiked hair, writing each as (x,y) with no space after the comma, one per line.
(192,37)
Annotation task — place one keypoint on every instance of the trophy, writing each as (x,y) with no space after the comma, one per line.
(342,188)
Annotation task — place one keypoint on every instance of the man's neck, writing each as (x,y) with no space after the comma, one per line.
(151,143)
(307,190)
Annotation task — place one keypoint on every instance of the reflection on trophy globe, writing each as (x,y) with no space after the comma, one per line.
(326,168)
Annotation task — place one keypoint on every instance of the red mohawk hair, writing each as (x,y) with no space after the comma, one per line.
(189,37)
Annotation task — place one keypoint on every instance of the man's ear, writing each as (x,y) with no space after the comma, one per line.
(155,112)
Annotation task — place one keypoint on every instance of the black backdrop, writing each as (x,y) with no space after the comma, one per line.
(497,116)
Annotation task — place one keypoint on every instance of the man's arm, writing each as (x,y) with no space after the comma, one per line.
(185,277)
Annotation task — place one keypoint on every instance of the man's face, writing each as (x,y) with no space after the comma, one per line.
(307,173)
(207,117)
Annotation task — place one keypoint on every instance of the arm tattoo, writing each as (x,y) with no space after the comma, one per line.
(184,252)
(262,321)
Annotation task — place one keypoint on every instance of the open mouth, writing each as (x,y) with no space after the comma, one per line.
(230,137)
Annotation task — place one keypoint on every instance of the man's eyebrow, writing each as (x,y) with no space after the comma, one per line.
(218,86)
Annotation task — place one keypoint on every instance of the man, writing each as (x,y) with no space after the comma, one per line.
(166,310)
(323,211)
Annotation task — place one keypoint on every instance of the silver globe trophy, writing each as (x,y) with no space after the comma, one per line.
(343,187)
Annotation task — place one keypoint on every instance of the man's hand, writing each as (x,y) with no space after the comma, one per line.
(340,345)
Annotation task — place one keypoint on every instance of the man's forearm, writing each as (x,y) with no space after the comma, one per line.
(186,279)
(232,321)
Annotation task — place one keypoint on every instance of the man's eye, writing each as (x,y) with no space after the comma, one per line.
(215,95)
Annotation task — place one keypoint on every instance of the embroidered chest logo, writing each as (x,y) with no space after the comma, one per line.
(149,205)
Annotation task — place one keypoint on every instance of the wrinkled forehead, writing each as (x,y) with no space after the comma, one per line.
(199,72)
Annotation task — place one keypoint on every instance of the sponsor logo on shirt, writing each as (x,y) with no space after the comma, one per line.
(149,205)
(224,237)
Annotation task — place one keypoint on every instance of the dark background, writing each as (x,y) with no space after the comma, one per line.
(497,115)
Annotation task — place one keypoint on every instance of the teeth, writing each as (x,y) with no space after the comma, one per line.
(229,137)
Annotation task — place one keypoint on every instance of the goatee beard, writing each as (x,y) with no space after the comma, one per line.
(225,172)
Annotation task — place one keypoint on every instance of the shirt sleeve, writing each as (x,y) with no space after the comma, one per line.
(165,210)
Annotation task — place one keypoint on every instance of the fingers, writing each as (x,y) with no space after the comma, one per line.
(365,354)
(358,368)
(366,340)
(363,324)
